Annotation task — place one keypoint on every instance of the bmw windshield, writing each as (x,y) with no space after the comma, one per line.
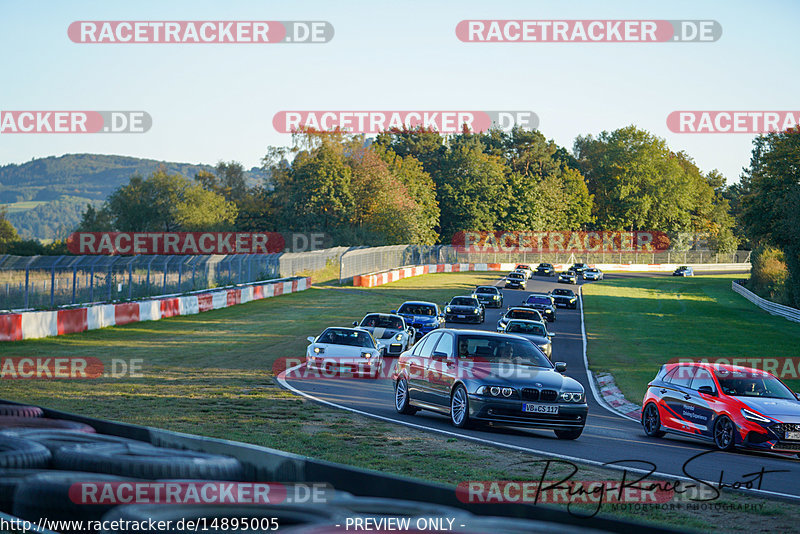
(507,350)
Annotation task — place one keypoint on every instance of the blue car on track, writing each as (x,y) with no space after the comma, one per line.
(422,316)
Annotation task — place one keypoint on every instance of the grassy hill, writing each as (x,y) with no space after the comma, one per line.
(45,197)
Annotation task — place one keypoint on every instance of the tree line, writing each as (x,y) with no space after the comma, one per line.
(418,186)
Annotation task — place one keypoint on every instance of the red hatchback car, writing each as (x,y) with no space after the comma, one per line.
(729,405)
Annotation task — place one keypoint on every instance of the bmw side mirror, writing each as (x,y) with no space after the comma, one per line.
(310,339)
(393,311)
(355,323)
(707,390)
(561,367)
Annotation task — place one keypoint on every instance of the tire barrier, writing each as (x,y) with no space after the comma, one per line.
(7,422)
(147,462)
(20,410)
(22,454)
(9,479)
(32,491)
(55,439)
(39,324)
(47,495)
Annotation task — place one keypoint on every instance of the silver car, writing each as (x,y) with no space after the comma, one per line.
(533,331)
(593,274)
(339,351)
(389,330)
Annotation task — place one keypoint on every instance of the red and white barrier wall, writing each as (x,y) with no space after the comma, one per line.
(393,275)
(37,324)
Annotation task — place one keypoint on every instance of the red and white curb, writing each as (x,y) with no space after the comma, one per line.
(39,324)
(614,397)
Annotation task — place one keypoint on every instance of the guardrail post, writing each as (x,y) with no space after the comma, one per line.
(53,282)
(130,278)
(74,281)
(27,282)
(180,276)
(110,283)
(164,285)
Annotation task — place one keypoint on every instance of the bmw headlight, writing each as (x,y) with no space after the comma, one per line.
(399,337)
(497,391)
(366,355)
(447,309)
(477,310)
(319,350)
(572,396)
(496,297)
(753,416)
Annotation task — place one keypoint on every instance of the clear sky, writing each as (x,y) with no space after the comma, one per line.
(216,102)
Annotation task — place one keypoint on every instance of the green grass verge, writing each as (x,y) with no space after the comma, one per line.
(210,374)
(634,325)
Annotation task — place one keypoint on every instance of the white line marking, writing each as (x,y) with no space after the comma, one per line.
(282,379)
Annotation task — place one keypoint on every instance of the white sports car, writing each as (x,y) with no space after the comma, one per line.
(339,351)
(389,330)
(593,274)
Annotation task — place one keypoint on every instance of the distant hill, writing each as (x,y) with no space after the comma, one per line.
(46,196)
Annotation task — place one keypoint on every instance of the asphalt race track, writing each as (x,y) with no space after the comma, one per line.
(607,438)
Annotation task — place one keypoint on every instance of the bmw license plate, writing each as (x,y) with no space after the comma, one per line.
(461,316)
(539,408)
(793,435)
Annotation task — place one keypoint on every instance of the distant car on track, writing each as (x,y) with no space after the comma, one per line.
(578,268)
(565,297)
(422,316)
(518,312)
(489,296)
(730,406)
(525,268)
(683,270)
(533,331)
(474,376)
(344,350)
(568,277)
(593,273)
(464,309)
(515,280)
(389,330)
(543,303)
(545,269)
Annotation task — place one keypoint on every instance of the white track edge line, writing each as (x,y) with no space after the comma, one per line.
(282,379)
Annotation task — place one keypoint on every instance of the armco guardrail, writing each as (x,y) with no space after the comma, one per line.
(793,314)
(265,465)
(392,275)
(50,282)
(38,324)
